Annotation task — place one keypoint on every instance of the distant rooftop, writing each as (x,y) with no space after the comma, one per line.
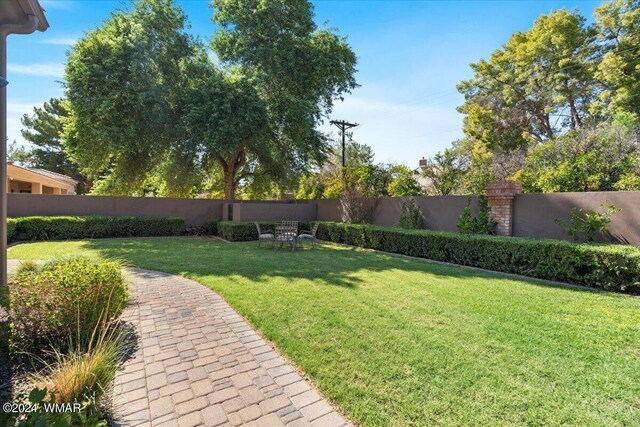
(48,174)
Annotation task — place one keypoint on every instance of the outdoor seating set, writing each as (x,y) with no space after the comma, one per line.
(286,232)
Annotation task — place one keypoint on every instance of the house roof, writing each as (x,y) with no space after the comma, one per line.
(49,174)
(54,175)
(16,12)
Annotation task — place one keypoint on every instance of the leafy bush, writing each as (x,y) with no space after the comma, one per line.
(588,223)
(63,299)
(94,227)
(483,223)
(246,231)
(410,215)
(211,228)
(611,267)
(11,229)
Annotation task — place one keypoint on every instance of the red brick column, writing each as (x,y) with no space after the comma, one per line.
(500,200)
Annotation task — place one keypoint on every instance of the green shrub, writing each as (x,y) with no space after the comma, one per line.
(246,231)
(11,229)
(483,223)
(410,215)
(588,223)
(95,227)
(63,299)
(611,267)
(211,228)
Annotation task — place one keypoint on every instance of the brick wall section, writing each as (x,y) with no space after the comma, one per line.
(500,197)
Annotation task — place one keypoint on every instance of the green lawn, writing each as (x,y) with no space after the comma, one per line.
(395,341)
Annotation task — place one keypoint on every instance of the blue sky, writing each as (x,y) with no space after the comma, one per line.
(411,56)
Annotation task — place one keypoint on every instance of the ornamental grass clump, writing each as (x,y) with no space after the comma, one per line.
(85,369)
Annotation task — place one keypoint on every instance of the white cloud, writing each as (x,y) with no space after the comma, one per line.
(44,70)
(60,41)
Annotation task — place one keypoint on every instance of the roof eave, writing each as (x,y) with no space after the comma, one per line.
(33,7)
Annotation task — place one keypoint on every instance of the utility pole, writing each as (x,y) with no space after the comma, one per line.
(343,125)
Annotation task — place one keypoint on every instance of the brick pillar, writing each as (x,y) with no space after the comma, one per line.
(500,200)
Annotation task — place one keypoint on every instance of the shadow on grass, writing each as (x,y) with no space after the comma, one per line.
(329,264)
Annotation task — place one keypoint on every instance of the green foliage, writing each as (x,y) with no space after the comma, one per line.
(588,159)
(410,215)
(610,267)
(445,172)
(588,223)
(124,82)
(628,182)
(297,69)
(360,178)
(403,182)
(27,266)
(236,231)
(18,154)
(618,25)
(64,299)
(546,70)
(554,94)
(226,118)
(11,229)
(94,227)
(87,416)
(356,153)
(84,371)
(483,223)
(211,228)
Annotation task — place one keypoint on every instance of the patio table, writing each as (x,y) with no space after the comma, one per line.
(286,232)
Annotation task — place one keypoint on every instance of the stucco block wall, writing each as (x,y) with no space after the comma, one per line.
(439,212)
(194,211)
(534,215)
(274,211)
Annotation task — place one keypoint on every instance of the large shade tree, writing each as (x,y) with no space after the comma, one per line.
(295,69)
(540,83)
(124,83)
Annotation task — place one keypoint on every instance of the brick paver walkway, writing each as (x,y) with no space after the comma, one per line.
(199,363)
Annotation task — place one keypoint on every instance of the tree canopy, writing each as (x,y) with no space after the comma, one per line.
(150,112)
(124,82)
(556,107)
(297,71)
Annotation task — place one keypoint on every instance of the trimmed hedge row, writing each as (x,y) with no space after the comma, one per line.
(245,231)
(11,229)
(93,227)
(610,267)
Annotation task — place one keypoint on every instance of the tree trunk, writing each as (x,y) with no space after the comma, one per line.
(230,169)
(229,183)
(576,122)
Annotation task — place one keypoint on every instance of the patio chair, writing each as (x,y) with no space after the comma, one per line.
(309,235)
(286,232)
(267,237)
